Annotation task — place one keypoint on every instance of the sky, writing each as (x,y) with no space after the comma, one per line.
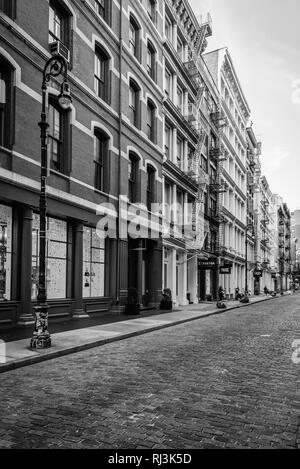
(263,38)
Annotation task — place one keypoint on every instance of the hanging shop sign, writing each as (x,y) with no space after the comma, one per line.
(224,269)
(257,273)
(207,264)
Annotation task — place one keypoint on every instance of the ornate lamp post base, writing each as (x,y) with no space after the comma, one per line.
(41,337)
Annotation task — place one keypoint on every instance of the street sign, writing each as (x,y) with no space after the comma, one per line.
(225,270)
(257,273)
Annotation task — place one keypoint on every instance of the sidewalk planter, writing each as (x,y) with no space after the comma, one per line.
(166,302)
(132,306)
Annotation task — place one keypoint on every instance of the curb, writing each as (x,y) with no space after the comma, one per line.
(79,348)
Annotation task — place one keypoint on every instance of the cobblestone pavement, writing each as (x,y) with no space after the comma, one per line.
(225,381)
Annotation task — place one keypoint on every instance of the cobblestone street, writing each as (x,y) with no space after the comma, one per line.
(225,381)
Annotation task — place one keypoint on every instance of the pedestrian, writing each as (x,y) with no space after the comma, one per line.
(266,290)
(221,293)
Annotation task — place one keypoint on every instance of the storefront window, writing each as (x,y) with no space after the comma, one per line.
(56,252)
(5,252)
(93,263)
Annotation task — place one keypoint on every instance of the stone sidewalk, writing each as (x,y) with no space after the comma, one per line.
(16,354)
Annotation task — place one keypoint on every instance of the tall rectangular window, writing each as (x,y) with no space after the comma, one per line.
(101,74)
(101,160)
(55,138)
(5,252)
(150,121)
(151,9)
(168,83)
(179,156)
(134,37)
(168,142)
(132,179)
(5,105)
(8,7)
(55,24)
(99,6)
(133,104)
(150,186)
(93,263)
(150,60)
(56,257)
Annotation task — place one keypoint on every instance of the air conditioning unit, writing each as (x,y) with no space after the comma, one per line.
(58,48)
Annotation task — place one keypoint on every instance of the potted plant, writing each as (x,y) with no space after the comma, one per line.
(166,302)
(132,306)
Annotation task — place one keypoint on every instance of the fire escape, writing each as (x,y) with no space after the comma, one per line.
(265,241)
(194,69)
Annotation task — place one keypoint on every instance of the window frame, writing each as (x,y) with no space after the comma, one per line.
(151,69)
(151,128)
(133,104)
(152,10)
(101,167)
(150,188)
(9,8)
(64,153)
(102,84)
(134,36)
(7,108)
(133,178)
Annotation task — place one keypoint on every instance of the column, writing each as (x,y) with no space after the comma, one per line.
(26,317)
(173,275)
(183,279)
(78,312)
(192,267)
(139,270)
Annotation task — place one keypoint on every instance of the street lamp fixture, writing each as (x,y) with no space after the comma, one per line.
(55,66)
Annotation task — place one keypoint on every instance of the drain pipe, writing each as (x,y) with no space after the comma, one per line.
(120,151)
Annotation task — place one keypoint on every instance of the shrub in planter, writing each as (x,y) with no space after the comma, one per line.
(166,302)
(132,306)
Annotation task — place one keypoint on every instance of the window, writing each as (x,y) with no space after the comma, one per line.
(134,37)
(168,83)
(204,163)
(150,120)
(101,75)
(6,104)
(56,253)
(151,9)
(101,160)
(180,48)
(8,7)
(59,23)
(134,103)
(93,263)
(168,142)
(179,152)
(150,186)
(151,60)
(169,29)
(5,252)
(180,98)
(58,137)
(132,178)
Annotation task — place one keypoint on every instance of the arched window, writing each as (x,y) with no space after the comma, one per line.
(151,62)
(151,121)
(134,37)
(150,186)
(151,9)
(59,23)
(101,160)
(102,8)
(134,103)
(59,140)
(6,104)
(133,178)
(101,74)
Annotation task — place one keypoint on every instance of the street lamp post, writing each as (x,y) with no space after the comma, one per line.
(55,66)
